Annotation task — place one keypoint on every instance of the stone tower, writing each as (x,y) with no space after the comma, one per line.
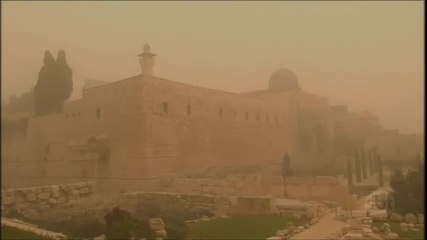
(146,60)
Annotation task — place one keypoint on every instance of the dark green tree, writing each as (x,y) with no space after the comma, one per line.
(286,171)
(370,162)
(349,177)
(65,74)
(363,161)
(357,167)
(286,165)
(54,84)
(408,190)
(120,224)
(380,171)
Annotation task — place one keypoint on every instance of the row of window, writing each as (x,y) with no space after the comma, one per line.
(74,115)
(221,113)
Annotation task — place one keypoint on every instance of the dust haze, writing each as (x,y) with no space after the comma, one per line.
(212,120)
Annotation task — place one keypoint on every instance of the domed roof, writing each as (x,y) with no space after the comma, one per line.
(283,79)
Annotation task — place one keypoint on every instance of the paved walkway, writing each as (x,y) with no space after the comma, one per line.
(31,228)
(325,227)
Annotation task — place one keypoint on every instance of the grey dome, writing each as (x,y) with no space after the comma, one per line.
(284,80)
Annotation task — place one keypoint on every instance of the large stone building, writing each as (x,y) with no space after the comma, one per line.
(146,126)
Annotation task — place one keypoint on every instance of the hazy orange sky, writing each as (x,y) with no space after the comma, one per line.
(368,55)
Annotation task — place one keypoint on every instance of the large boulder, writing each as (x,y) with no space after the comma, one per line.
(391,236)
(7,200)
(410,218)
(378,215)
(404,227)
(395,217)
(354,235)
(373,236)
(156,224)
(43,195)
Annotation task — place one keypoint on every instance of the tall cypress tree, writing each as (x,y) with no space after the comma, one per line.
(380,171)
(369,158)
(54,84)
(42,91)
(357,167)
(363,160)
(349,177)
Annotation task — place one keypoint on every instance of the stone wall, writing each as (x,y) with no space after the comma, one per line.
(130,201)
(319,188)
(39,199)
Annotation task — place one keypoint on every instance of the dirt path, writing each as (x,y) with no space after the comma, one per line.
(325,227)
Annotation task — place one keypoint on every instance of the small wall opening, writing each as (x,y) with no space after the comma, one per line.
(188,109)
(220,113)
(165,107)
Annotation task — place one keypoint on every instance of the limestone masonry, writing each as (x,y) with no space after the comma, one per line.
(146,127)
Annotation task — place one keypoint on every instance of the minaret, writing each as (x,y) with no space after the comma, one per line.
(146,61)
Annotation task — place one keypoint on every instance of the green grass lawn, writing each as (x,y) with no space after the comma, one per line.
(9,233)
(395,227)
(241,227)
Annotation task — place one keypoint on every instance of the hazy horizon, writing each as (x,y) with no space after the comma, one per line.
(367,55)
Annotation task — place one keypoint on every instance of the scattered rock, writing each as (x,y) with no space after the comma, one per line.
(314,220)
(43,196)
(373,236)
(52,201)
(410,218)
(274,238)
(31,197)
(85,191)
(391,236)
(353,235)
(74,192)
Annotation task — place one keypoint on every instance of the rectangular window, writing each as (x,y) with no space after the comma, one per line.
(266,118)
(220,113)
(98,113)
(165,107)
(188,109)
(247,116)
